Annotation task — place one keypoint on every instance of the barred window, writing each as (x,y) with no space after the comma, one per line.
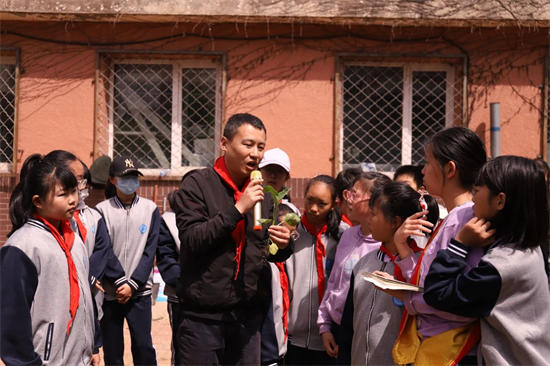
(389,110)
(164,113)
(8,66)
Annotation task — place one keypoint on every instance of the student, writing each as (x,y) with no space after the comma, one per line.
(275,168)
(275,326)
(370,323)
(309,269)
(353,245)
(133,225)
(508,290)
(454,156)
(46,307)
(92,230)
(344,181)
(168,263)
(223,262)
(410,175)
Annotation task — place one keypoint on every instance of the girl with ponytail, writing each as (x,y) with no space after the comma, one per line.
(43,264)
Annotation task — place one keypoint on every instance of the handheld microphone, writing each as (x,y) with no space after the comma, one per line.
(256,175)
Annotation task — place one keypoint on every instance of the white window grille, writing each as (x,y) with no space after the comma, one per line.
(8,72)
(388,110)
(166,113)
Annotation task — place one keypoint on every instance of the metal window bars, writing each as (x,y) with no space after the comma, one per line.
(8,110)
(387,109)
(162,109)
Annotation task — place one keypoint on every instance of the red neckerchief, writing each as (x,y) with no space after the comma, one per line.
(346,219)
(81,228)
(415,279)
(66,243)
(320,252)
(238,234)
(397,273)
(286,300)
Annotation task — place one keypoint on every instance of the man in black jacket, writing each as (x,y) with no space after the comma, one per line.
(223,259)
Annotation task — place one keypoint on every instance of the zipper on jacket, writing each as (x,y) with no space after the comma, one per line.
(314,265)
(370,314)
(49,341)
(127,236)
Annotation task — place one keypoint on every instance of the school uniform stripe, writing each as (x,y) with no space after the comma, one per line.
(39,224)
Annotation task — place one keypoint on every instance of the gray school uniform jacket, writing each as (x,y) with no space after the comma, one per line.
(103,261)
(168,253)
(508,290)
(302,277)
(34,300)
(371,318)
(134,232)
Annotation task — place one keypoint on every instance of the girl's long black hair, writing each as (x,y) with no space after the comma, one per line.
(398,199)
(524,220)
(335,215)
(39,177)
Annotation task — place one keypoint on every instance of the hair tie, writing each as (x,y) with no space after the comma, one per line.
(422,201)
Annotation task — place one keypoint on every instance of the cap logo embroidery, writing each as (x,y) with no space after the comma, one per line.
(129,163)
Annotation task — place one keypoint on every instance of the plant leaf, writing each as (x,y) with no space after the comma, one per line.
(271,190)
(279,196)
(264,221)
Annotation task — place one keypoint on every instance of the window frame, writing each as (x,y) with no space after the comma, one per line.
(13,57)
(418,63)
(186,60)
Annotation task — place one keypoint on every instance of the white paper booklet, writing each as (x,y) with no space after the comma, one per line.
(389,284)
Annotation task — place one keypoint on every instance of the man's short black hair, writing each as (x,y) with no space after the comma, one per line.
(413,171)
(239,119)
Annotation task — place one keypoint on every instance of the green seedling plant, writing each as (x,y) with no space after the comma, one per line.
(291,218)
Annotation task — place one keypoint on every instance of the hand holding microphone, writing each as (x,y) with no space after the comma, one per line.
(252,194)
(256,175)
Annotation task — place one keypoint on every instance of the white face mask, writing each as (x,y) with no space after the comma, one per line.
(82,195)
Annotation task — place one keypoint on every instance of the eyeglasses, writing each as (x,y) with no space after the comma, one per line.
(81,184)
(353,197)
(295,235)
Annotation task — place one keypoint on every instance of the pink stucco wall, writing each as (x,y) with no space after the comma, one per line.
(56,107)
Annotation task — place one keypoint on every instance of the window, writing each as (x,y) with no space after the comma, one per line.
(388,110)
(8,79)
(166,113)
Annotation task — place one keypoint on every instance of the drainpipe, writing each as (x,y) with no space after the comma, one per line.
(495,130)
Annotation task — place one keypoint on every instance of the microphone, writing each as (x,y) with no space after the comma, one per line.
(256,175)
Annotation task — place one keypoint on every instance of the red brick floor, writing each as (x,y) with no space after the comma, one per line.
(162,335)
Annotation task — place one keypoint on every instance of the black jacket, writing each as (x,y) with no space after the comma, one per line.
(206,216)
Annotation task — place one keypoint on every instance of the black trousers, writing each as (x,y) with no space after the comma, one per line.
(174,314)
(138,314)
(303,356)
(210,342)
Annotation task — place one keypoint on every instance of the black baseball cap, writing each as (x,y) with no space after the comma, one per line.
(124,165)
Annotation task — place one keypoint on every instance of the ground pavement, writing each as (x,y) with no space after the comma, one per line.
(161,337)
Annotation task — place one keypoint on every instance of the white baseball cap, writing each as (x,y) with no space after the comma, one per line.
(276,156)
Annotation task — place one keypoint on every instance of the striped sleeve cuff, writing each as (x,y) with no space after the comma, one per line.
(93,280)
(133,284)
(121,281)
(457,249)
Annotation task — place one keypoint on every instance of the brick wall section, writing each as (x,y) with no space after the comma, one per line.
(7,183)
(147,189)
